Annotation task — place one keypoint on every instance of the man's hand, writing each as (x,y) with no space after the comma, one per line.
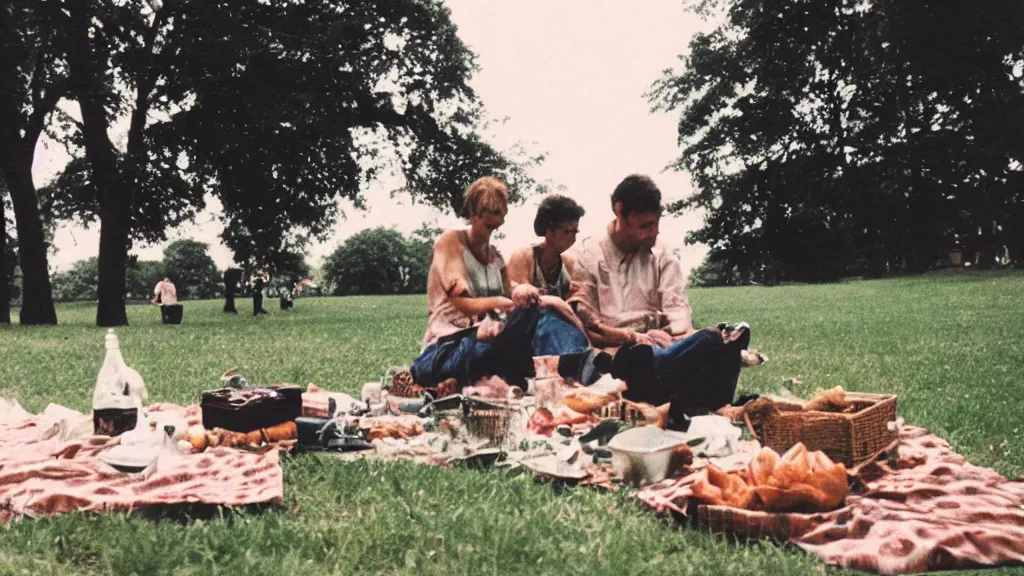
(664,339)
(488,329)
(645,339)
(525,295)
(685,334)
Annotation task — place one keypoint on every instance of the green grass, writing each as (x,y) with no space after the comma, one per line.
(948,344)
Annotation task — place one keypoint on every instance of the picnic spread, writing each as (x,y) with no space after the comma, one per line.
(840,475)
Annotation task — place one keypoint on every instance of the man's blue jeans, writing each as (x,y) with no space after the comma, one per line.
(528,332)
(697,373)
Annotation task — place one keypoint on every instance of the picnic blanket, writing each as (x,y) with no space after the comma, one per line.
(44,473)
(922,508)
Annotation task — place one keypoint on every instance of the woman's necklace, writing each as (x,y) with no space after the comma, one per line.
(550,273)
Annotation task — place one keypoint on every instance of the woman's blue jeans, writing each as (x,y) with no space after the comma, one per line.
(528,332)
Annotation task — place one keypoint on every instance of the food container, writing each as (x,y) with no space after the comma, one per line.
(248,410)
(848,438)
(645,454)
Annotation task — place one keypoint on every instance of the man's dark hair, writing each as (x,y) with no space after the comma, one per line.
(638,194)
(554,211)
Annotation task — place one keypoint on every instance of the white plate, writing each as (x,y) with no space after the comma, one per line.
(128,458)
(551,466)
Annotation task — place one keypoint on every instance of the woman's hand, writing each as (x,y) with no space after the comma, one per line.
(489,329)
(502,304)
(525,295)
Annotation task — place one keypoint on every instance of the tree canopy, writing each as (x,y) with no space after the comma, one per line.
(839,137)
(277,108)
(379,261)
(188,264)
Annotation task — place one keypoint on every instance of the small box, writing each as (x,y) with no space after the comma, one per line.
(251,409)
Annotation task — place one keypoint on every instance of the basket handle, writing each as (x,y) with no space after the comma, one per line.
(750,426)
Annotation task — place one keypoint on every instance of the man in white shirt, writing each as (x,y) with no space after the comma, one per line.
(165,293)
(631,296)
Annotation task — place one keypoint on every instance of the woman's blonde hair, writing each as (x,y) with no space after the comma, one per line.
(487,193)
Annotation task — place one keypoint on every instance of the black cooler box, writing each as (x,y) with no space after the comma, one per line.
(171,313)
(251,409)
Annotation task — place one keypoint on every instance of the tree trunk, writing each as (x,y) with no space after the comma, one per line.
(114,199)
(36,293)
(113,262)
(5,281)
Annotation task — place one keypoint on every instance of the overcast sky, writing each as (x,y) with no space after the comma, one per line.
(570,75)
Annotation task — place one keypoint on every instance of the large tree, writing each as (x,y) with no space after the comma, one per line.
(836,137)
(34,80)
(278,108)
(189,266)
(373,261)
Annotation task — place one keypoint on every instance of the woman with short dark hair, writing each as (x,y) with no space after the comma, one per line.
(541,273)
(544,265)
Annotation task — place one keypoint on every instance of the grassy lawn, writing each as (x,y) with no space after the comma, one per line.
(948,344)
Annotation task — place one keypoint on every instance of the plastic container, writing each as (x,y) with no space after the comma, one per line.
(644,454)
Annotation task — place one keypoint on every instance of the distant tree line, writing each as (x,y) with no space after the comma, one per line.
(373,261)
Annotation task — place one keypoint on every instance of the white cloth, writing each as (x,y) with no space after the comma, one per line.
(166,291)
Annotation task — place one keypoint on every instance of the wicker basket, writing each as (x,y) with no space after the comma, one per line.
(847,438)
(488,424)
(756,524)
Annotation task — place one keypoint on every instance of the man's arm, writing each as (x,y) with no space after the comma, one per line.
(674,303)
(587,306)
(601,333)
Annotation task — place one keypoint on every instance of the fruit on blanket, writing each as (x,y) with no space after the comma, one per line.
(196,437)
(254,438)
(212,440)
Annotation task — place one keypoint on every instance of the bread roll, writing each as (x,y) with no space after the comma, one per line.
(284,431)
(254,438)
(586,401)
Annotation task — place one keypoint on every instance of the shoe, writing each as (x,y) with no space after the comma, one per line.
(732,326)
(597,364)
(585,367)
